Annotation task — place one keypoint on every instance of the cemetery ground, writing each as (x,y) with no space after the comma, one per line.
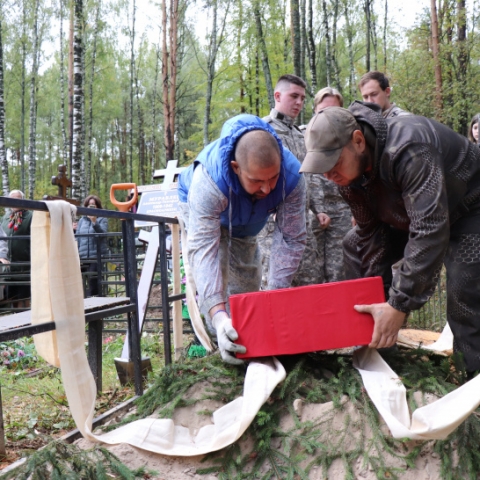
(317,424)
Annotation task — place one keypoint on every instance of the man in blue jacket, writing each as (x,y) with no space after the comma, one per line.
(226,197)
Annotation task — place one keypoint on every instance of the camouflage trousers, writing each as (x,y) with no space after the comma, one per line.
(308,270)
(330,248)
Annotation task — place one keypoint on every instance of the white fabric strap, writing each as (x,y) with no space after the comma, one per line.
(57,294)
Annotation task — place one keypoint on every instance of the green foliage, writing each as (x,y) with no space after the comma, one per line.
(60,461)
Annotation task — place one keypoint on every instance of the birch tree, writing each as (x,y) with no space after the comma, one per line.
(77,140)
(3,152)
(296,36)
(65,145)
(32,158)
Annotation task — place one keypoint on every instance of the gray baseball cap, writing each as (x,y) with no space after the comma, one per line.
(326,135)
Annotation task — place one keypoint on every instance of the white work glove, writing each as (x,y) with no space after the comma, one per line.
(226,335)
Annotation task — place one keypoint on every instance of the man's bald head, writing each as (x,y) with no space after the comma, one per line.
(257,163)
(258,147)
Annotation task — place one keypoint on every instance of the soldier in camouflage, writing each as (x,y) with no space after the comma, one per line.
(289,100)
(335,218)
(375,88)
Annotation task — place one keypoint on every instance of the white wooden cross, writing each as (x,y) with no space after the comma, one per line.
(168,174)
(148,270)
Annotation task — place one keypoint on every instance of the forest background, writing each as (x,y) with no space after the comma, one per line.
(89,84)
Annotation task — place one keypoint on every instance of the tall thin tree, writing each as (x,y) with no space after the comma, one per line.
(296,36)
(32,143)
(77,140)
(3,151)
(263,52)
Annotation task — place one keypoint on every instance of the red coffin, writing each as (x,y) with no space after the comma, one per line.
(305,319)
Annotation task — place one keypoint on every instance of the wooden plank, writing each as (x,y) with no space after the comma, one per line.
(91,304)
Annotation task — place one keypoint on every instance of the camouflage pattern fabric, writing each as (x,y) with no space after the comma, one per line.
(308,270)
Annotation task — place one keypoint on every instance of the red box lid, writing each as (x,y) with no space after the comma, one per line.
(305,319)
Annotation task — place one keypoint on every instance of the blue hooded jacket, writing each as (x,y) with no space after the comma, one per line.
(248,215)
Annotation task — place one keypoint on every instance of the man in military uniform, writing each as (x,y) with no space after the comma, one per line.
(414,189)
(335,219)
(289,99)
(375,88)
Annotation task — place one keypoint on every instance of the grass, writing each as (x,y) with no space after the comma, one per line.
(35,408)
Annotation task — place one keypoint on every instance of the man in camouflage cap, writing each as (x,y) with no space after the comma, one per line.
(414,189)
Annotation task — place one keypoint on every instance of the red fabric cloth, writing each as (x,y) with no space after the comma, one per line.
(305,319)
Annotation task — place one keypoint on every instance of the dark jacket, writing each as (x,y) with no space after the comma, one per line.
(425,181)
(248,216)
(87,246)
(18,250)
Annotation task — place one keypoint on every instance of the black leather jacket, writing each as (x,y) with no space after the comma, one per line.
(426,182)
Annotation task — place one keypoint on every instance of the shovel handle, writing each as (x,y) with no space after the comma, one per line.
(123,206)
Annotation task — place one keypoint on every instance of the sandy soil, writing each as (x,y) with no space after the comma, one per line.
(179,468)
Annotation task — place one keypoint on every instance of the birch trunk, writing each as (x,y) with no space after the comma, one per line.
(368,34)
(132,80)
(62,91)
(336,67)
(385,23)
(3,151)
(462,59)
(23,106)
(77,140)
(263,52)
(32,147)
(153,163)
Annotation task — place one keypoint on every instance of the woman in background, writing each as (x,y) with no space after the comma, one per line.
(473,129)
(87,245)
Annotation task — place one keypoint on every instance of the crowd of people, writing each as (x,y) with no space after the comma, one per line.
(383,192)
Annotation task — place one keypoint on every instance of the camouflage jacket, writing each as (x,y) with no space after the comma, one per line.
(394,111)
(292,138)
(425,180)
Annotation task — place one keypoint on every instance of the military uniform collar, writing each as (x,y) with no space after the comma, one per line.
(282,117)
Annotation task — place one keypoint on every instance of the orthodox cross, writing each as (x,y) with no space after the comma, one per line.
(168,174)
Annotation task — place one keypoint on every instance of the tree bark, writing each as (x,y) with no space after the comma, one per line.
(385,22)
(463,119)
(328,48)
(312,51)
(368,22)
(263,52)
(336,67)
(65,148)
(3,151)
(295,33)
(153,140)
(32,147)
(436,60)
(23,91)
(351,58)
(132,79)
(77,141)
(70,85)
